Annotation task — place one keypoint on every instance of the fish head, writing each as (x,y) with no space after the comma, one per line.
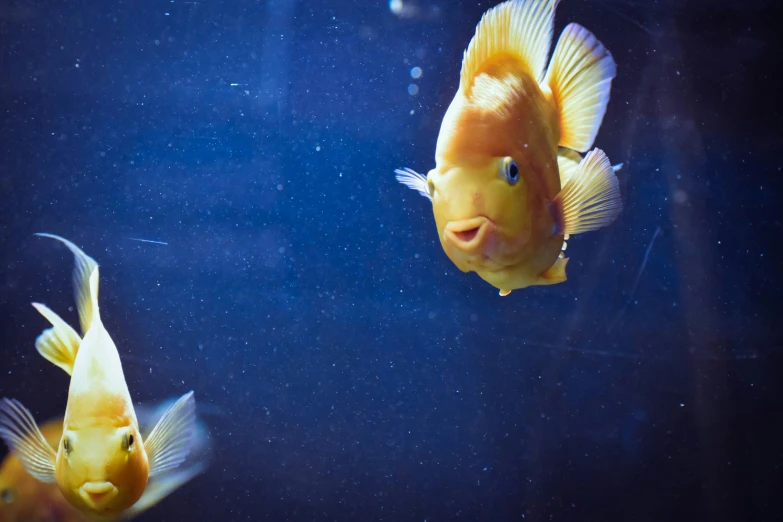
(101,465)
(483,211)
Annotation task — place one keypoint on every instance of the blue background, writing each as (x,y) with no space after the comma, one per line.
(350,372)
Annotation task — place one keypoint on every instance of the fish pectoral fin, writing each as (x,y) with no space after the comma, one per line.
(58,344)
(555,274)
(22,436)
(85,282)
(580,77)
(172,439)
(413,180)
(160,487)
(522,30)
(591,199)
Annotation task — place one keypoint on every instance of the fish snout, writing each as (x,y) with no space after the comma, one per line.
(470,236)
(97,494)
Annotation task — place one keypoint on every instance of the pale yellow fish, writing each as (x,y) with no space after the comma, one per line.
(101,464)
(23,498)
(508,186)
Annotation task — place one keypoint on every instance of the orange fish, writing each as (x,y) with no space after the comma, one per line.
(508,186)
(23,498)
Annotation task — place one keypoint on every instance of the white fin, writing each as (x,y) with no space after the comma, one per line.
(518,28)
(172,438)
(160,487)
(59,344)
(413,180)
(617,167)
(591,199)
(165,483)
(568,164)
(86,298)
(580,77)
(20,432)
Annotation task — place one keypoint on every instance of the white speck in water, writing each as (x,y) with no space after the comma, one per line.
(280,187)
(413,89)
(395,6)
(318,148)
(416,72)
(281,250)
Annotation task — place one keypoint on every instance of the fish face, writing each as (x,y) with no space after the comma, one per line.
(482,212)
(102,468)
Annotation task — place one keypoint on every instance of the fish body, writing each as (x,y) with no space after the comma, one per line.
(101,464)
(508,184)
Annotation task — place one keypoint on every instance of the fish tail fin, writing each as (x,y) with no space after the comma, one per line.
(519,28)
(58,344)
(580,78)
(85,283)
(591,198)
(568,164)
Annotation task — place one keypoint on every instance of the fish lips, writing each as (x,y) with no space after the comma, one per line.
(97,494)
(470,237)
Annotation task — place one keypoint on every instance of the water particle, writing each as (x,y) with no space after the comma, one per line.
(416,73)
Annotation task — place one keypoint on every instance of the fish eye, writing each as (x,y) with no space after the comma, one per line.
(509,170)
(67,446)
(8,496)
(127,441)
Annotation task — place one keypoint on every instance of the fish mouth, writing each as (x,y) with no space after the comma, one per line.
(97,494)
(469,235)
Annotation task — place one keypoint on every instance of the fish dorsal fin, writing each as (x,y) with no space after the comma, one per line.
(85,290)
(20,432)
(58,344)
(591,198)
(580,78)
(170,441)
(517,28)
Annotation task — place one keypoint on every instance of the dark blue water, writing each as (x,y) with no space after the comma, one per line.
(350,371)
